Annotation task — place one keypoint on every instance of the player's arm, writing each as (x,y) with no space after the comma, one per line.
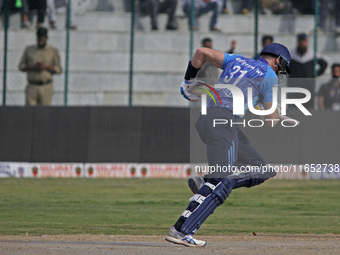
(203,55)
(273,118)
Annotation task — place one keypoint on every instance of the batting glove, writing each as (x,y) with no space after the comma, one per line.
(186,87)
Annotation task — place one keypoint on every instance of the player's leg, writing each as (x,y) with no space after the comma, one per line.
(216,155)
(249,156)
(216,189)
(221,140)
(195,183)
(200,207)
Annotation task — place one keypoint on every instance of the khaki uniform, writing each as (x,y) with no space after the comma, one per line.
(39,89)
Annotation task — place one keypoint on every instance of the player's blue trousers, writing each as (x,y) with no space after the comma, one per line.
(226,146)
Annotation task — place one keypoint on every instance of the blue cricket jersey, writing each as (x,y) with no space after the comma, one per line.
(245,72)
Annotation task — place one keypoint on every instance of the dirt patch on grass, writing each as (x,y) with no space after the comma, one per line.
(131,244)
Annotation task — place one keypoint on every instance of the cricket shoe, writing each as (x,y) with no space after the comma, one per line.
(177,237)
(195,183)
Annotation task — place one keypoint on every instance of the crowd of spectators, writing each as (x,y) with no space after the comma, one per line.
(152,8)
(28,8)
(302,64)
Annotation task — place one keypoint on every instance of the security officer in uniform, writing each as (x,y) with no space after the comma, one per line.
(40,62)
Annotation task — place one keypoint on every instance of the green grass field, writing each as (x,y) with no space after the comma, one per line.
(151,206)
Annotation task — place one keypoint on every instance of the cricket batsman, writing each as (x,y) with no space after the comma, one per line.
(226,145)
